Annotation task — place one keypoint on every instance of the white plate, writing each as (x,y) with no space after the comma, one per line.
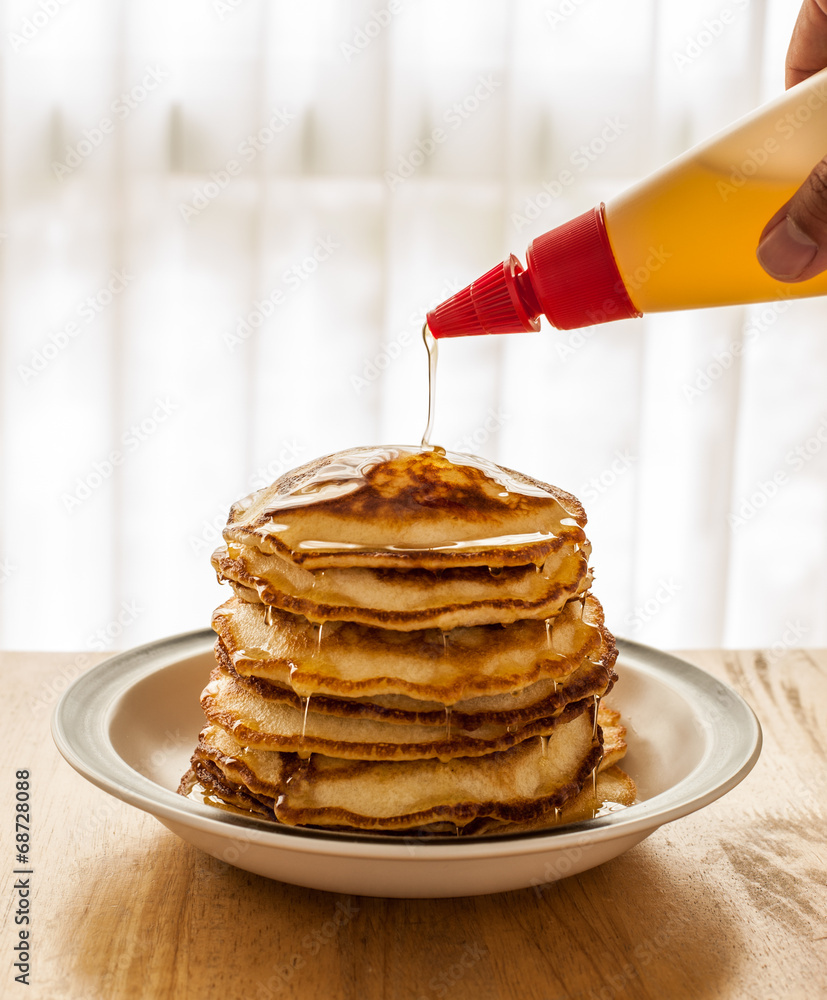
(130,724)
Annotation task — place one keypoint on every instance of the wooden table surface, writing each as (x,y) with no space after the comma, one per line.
(727,903)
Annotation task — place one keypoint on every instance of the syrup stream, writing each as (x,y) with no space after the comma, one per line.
(347,475)
(433,351)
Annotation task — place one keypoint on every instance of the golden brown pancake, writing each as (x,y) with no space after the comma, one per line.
(396,506)
(508,791)
(611,790)
(346,659)
(412,643)
(545,698)
(411,598)
(402,538)
(515,784)
(270,724)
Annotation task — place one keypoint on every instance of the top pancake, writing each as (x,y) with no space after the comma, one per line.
(402,507)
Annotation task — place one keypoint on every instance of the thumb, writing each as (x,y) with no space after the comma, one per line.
(793,245)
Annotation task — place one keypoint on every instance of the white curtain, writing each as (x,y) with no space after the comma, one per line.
(222,223)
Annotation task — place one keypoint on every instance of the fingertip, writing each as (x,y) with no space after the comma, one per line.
(785,250)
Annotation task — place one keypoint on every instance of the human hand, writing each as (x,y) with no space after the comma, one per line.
(793,244)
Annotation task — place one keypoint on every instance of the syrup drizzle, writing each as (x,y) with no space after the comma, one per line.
(349,473)
(319,545)
(433,352)
(304,715)
(317,628)
(594,786)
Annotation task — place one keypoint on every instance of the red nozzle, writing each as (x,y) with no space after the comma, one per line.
(491,304)
(571,276)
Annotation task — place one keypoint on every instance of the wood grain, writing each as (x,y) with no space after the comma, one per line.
(728,903)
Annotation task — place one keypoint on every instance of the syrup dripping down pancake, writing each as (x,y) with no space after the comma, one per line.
(414,598)
(412,643)
(404,539)
(540,700)
(267,723)
(519,788)
(343,659)
(396,506)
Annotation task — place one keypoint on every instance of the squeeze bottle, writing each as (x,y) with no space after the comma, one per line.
(683,238)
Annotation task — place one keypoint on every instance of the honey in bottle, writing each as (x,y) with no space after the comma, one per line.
(683,238)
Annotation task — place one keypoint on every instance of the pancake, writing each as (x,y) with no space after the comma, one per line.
(534,702)
(402,538)
(412,645)
(411,598)
(266,723)
(513,785)
(350,660)
(611,790)
(404,506)
(525,787)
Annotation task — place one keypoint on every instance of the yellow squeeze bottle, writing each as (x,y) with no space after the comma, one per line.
(683,238)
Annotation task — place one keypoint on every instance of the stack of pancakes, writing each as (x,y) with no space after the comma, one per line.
(412,643)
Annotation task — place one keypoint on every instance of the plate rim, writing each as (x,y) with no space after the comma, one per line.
(81,717)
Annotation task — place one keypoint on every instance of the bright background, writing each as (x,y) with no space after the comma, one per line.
(102,554)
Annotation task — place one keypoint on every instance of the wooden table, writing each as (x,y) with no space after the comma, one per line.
(727,903)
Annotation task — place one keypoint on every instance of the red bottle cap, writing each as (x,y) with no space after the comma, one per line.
(571,276)
(491,304)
